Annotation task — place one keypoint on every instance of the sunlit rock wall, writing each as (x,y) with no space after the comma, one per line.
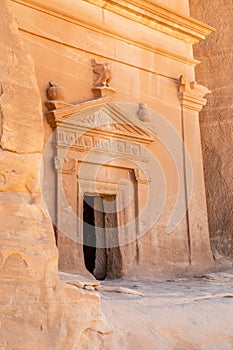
(215,71)
(37,310)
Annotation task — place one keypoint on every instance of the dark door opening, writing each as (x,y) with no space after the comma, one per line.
(89,236)
(102,254)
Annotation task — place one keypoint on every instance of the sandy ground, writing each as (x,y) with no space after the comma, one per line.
(180,313)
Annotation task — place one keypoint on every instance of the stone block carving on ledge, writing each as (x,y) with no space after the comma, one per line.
(102,73)
(143,112)
(55,92)
(102,78)
(56,96)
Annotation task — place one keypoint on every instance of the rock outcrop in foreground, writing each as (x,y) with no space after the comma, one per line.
(38,311)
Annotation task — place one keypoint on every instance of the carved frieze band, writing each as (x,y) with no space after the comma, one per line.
(67,139)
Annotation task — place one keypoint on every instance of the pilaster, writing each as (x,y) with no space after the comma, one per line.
(192,99)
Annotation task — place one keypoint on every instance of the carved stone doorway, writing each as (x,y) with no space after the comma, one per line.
(102,255)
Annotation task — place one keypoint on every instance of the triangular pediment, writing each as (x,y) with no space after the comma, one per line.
(107,119)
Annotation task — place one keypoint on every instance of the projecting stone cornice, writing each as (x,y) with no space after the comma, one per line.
(79,13)
(98,116)
(158,17)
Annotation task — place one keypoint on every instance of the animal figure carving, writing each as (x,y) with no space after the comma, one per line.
(102,73)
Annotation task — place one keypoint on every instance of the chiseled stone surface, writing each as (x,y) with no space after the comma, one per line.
(145,64)
(215,71)
(37,310)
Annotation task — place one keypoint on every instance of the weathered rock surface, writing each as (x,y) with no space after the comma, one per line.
(181,313)
(215,72)
(21,125)
(37,311)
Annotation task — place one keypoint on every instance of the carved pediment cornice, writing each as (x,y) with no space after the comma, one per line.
(98,117)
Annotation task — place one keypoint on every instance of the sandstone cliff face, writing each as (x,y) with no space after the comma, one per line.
(37,310)
(216,73)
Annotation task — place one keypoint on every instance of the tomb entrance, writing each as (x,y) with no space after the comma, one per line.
(102,255)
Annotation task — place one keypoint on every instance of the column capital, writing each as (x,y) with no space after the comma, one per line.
(191,94)
(65,165)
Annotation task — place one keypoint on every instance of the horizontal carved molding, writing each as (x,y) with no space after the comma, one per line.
(158,17)
(98,145)
(51,9)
